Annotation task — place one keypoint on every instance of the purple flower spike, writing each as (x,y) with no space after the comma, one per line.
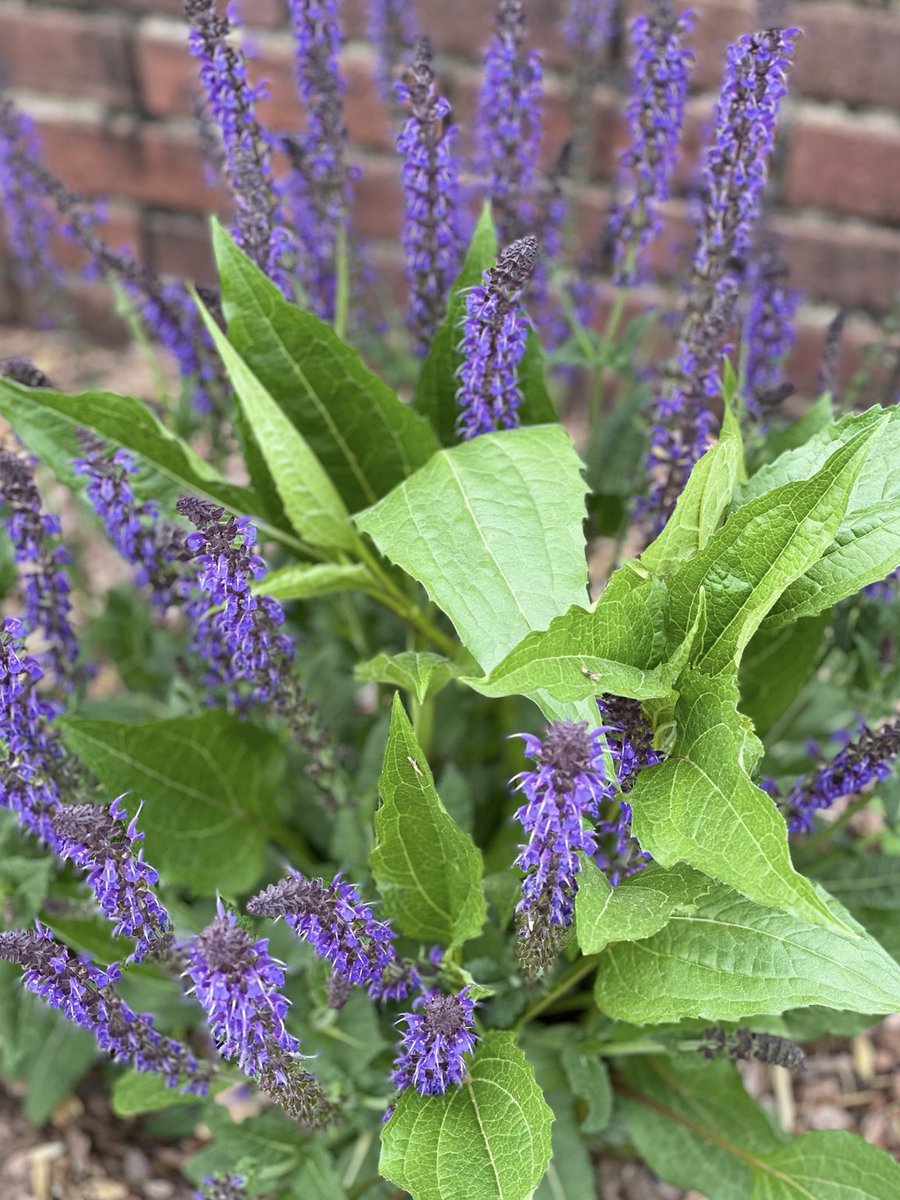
(864,760)
(30,226)
(660,74)
(438,1035)
(495,332)
(318,190)
(392,30)
(430,177)
(151,545)
(769,325)
(45,583)
(103,842)
(509,123)
(341,929)
(85,995)
(231,100)
(237,983)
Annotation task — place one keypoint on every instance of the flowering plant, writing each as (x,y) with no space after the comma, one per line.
(447,787)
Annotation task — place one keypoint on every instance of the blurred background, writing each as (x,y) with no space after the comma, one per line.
(111,88)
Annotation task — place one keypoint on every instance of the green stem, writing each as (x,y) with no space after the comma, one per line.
(423,723)
(391,597)
(609,334)
(583,967)
(359,1189)
(342,282)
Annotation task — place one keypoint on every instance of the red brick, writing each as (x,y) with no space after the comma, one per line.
(69,54)
(854,267)
(122,229)
(848,166)
(155,164)
(180,245)
(259,13)
(849,55)
(378,208)
(168,79)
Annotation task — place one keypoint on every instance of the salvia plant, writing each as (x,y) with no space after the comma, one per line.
(466,800)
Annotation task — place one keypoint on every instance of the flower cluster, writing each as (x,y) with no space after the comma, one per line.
(862,761)
(437,1037)
(45,584)
(165,307)
(341,929)
(430,175)
(85,995)
(222,1187)
(509,122)
(151,545)
(494,337)
(103,842)
(660,74)
(231,100)
(392,31)
(29,225)
(237,983)
(769,325)
(318,190)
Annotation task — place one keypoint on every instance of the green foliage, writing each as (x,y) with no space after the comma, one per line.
(418,671)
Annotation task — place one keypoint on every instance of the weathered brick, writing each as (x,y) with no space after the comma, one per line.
(856,267)
(846,165)
(121,229)
(259,13)
(156,164)
(178,244)
(68,53)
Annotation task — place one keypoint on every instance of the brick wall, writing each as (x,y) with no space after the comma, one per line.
(110,86)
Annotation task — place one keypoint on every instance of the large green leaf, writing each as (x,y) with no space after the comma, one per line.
(143,1091)
(776,665)
(301,581)
(697,1128)
(637,908)
(861,880)
(365,438)
(436,387)
(492,529)
(762,548)
(47,422)
(700,508)
(207,784)
(418,671)
(730,958)
(489,1137)
(427,869)
(310,500)
(700,807)
(619,647)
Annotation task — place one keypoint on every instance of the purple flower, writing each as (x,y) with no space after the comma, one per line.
(242,643)
(149,544)
(392,31)
(735,167)
(29,224)
(769,325)
(509,122)
(660,75)
(495,332)
(34,760)
(862,761)
(231,100)
(318,189)
(103,842)
(430,177)
(85,995)
(237,983)
(438,1035)
(341,929)
(222,1187)
(45,583)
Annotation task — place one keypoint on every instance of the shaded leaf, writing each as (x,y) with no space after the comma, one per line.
(301,581)
(418,671)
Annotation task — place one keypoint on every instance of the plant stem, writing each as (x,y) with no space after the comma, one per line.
(582,967)
(342,282)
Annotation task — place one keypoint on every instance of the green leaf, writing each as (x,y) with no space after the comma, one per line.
(700,807)
(589,1080)
(361,433)
(619,647)
(301,581)
(697,1128)
(207,785)
(571,1174)
(47,422)
(427,869)
(492,529)
(761,549)
(142,1091)
(816,418)
(437,383)
(861,880)
(264,1148)
(776,665)
(637,908)
(729,959)
(700,508)
(617,448)
(417,671)
(310,500)
(489,1137)
(537,407)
